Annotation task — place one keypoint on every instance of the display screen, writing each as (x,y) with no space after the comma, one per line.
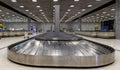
(105,27)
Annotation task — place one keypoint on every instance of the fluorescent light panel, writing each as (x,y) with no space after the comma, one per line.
(21,6)
(72,5)
(90,5)
(76,0)
(34,0)
(55,0)
(38,6)
(14,0)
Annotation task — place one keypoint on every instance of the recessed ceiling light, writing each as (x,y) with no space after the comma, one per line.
(79,12)
(69,10)
(13,15)
(98,0)
(14,0)
(0,10)
(83,9)
(3,15)
(33,15)
(7,13)
(27,10)
(21,6)
(112,9)
(98,17)
(34,0)
(102,16)
(66,12)
(108,14)
(38,6)
(76,0)
(104,12)
(90,5)
(30,13)
(72,5)
(40,10)
(42,13)
(97,14)
(112,16)
(55,0)
(17,16)
(54,6)
(75,14)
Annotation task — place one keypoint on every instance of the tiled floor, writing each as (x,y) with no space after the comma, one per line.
(5,64)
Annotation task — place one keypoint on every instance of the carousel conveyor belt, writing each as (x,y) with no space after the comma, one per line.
(53,50)
(61,53)
(60,48)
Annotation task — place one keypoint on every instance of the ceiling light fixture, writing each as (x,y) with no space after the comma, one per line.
(34,0)
(14,0)
(76,0)
(75,14)
(55,0)
(104,12)
(13,15)
(0,10)
(79,12)
(90,5)
(72,6)
(69,10)
(108,14)
(40,10)
(30,13)
(66,12)
(98,0)
(21,6)
(42,13)
(112,9)
(38,6)
(83,9)
(27,10)
(97,14)
(7,13)
(3,15)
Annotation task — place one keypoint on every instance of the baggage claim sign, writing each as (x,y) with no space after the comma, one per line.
(1,25)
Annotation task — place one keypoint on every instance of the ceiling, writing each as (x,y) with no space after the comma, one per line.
(44,12)
(7,15)
(104,14)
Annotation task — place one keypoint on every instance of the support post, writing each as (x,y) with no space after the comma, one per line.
(117,20)
(80,23)
(57,18)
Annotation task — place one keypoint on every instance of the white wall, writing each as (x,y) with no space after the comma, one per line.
(16,25)
(85,26)
(89,26)
(48,26)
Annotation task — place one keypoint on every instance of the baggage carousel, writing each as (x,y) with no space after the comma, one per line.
(60,50)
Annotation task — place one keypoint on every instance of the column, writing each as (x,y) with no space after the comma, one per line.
(80,24)
(57,18)
(117,20)
(29,21)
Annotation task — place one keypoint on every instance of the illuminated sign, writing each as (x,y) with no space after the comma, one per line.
(1,25)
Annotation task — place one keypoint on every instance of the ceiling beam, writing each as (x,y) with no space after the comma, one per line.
(14,10)
(97,9)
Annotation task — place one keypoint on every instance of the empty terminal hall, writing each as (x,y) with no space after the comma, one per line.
(59,34)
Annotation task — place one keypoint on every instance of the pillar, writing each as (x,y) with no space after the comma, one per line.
(57,18)
(80,24)
(117,20)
